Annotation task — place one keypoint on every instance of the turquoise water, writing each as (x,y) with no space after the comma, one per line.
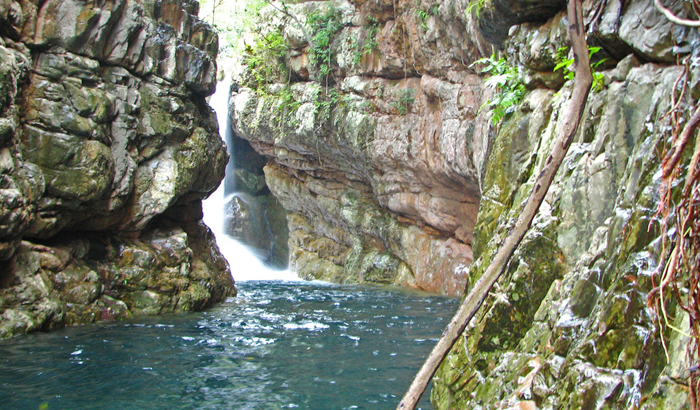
(277,345)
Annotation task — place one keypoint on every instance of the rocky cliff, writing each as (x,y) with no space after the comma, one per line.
(376,152)
(399,164)
(107,147)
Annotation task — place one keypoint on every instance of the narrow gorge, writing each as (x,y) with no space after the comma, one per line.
(383,143)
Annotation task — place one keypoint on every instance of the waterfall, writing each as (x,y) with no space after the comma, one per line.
(245,265)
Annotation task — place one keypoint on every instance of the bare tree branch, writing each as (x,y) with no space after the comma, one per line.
(471,304)
(674,155)
(673,18)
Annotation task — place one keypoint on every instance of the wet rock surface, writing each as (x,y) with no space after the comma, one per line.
(104,129)
(252,215)
(569,325)
(260,223)
(391,170)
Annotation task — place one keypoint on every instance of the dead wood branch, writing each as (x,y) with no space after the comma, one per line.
(471,304)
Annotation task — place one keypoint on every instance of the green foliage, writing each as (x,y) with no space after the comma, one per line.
(475,6)
(347,99)
(567,65)
(230,21)
(289,105)
(404,101)
(507,82)
(372,27)
(366,106)
(372,30)
(325,103)
(424,15)
(564,62)
(370,43)
(324,26)
(265,60)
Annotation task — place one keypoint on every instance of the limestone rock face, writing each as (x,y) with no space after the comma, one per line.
(572,303)
(104,129)
(381,147)
(377,159)
(569,324)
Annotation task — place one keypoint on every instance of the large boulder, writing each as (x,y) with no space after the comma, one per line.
(104,132)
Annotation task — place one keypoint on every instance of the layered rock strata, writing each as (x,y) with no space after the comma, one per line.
(107,147)
(381,148)
(376,160)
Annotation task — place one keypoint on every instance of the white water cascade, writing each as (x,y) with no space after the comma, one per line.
(245,265)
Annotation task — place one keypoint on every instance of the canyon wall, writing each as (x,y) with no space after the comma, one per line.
(107,147)
(381,143)
(377,156)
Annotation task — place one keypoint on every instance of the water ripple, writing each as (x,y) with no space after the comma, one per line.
(278,345)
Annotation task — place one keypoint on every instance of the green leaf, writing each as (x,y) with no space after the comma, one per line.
(565,63)
(497,81)
(592,50)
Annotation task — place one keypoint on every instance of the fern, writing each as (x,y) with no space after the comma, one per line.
(507,83)
(566,64)
(324,26)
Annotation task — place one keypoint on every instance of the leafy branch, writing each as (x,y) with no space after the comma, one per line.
(324,25)
(566,65)
(507,83)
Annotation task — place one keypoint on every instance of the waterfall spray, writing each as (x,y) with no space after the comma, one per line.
(245,265)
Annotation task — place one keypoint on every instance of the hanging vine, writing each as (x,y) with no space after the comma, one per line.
(678,276)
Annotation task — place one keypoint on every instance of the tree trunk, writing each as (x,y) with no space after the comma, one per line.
(471,304)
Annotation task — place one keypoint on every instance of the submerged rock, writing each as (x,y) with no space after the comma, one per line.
(105,133)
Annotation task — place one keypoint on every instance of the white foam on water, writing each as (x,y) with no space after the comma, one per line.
(245,265)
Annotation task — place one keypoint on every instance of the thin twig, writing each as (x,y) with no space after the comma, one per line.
(671,160)
(284,10)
